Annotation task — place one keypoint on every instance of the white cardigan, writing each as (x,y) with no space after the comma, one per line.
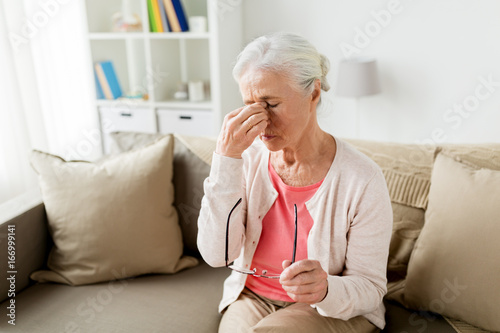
(350,237)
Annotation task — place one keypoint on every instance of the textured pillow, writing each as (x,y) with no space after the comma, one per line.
(478,156)
(191,168)
(192,159)
(125,141)
(454,268)
(408,221)
(407,170)
(111,220)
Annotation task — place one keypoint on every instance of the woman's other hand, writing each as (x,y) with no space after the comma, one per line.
(240,128)
(305,281)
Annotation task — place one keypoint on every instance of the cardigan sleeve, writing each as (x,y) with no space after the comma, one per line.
(223,187)
(360,288)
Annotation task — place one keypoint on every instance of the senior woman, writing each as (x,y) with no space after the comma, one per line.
(304,216)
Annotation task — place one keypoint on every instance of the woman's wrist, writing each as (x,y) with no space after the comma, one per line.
(228,155)
(326,294)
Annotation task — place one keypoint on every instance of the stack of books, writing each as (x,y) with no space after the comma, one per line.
(106,81)
(167,16)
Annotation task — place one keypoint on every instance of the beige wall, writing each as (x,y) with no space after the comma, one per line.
(434,57)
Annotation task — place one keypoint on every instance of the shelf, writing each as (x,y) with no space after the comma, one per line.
(151,35)
(178,35)
(139,103)
(123,102)
(115,35)
(184,105)
(156,63)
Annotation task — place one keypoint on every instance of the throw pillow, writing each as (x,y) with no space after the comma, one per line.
(111,220)
(192,159)
(454,268)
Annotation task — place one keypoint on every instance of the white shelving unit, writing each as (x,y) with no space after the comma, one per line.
(156,62)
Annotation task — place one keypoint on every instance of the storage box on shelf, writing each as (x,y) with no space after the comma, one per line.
(155,63)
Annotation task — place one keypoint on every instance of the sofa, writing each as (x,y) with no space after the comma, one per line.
(186,300)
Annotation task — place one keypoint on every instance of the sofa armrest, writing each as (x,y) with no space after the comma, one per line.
(27,214)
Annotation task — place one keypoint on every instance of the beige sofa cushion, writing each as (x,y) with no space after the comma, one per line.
(184,302)
(454,267)
(111,220)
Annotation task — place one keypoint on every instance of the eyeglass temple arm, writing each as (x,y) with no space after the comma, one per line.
(295,237)
(227,231)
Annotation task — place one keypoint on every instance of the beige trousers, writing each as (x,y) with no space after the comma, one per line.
(254,313)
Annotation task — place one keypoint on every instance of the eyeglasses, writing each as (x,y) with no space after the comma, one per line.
(254,270)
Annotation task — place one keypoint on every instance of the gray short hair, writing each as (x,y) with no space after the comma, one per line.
(288,54)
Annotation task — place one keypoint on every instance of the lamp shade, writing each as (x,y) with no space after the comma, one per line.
(357,77)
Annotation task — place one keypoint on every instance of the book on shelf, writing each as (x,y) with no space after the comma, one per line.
(98,88)
(152,22)
(172,16)
(181,15)
(157,16)
(167,15)
(163,15)
(107,80)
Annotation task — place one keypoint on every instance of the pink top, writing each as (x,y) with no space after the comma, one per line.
(276,240)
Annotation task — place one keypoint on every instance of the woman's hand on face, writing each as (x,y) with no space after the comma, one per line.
(240,128)
(304,281)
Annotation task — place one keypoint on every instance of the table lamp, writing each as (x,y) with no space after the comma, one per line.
(357,77)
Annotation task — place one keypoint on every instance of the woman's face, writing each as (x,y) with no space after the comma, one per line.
(291,112)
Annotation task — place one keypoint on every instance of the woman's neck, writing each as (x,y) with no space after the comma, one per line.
(308,162)
(307,149)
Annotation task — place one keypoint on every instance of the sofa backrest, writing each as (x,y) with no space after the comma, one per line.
(406,167)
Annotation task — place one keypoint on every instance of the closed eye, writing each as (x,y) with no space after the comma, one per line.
(272,106)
